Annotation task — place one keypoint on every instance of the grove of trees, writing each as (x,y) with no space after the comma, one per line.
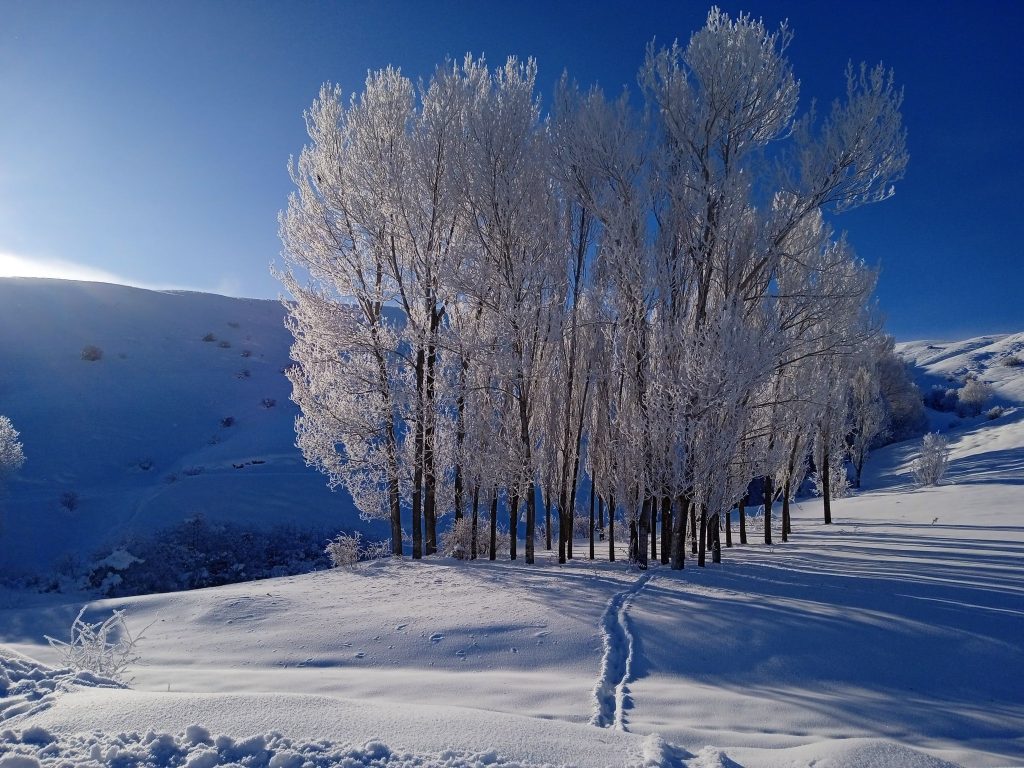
(629,305)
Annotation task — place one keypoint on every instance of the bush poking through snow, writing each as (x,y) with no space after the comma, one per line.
(69,501)
(932,461)
(973,397)
(92,353)
(1012,361)
(106,648)
(995,412)
(457,541)
(344,549)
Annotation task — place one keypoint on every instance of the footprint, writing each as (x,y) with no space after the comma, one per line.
(400,627)
(545,633)
(436,637)
(360,654)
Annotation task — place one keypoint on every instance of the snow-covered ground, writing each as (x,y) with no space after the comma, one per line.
(891,638)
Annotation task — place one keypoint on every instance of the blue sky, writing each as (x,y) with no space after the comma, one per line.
(147,142)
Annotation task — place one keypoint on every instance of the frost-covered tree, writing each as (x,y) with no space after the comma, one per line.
(651,293)
(868,418)
(903,400)
(932,459)
(12,454)
(973,397)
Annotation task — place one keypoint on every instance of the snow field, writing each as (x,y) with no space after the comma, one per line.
(891,638)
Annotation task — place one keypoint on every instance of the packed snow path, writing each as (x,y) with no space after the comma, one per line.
(611,694)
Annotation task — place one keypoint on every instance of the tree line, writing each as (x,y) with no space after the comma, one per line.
(504,307)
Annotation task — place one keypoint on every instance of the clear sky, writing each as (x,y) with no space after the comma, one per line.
(146,142)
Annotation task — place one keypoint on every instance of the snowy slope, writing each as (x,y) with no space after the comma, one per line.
(138,434)
(982,356)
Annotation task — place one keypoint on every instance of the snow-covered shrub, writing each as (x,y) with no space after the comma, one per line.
(483,540)
(106,648)
(973,397)
(1012,361)
(12,456)
(995,413)
(838,480)
(69,501)
(344,550)
(198,553)
(932,459)
(581,526)
(942,398)
(209,337)
(457,541)
(376,550)
(92,353)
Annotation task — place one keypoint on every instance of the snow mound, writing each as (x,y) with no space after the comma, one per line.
(849,753)
(195,748)
(28,687)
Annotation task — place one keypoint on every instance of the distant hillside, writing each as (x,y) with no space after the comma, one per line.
(991,358)
(163,426)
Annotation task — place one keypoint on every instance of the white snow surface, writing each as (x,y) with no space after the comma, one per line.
(891,638)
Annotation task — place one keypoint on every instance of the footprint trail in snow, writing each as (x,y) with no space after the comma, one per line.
(611,693)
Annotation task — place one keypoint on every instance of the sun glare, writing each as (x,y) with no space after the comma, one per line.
(12,265)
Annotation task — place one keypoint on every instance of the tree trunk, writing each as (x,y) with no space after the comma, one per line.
(429,471)
(633,540)
(547,520)
(493,552)
(693,528)
(458,471)
(678,542)
(666,528)
(611,529)
(561,532)
(728,528)
(476,518)
(417,472)
(654,529)
(743,520)
(591,521)
(513,524)
(702,537)
(768,493)
(716,539)
(600,512)
(785,511)
(644,530)
(531,521)
(826,492)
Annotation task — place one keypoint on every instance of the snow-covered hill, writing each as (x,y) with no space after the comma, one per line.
(162,427)
(991,358)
